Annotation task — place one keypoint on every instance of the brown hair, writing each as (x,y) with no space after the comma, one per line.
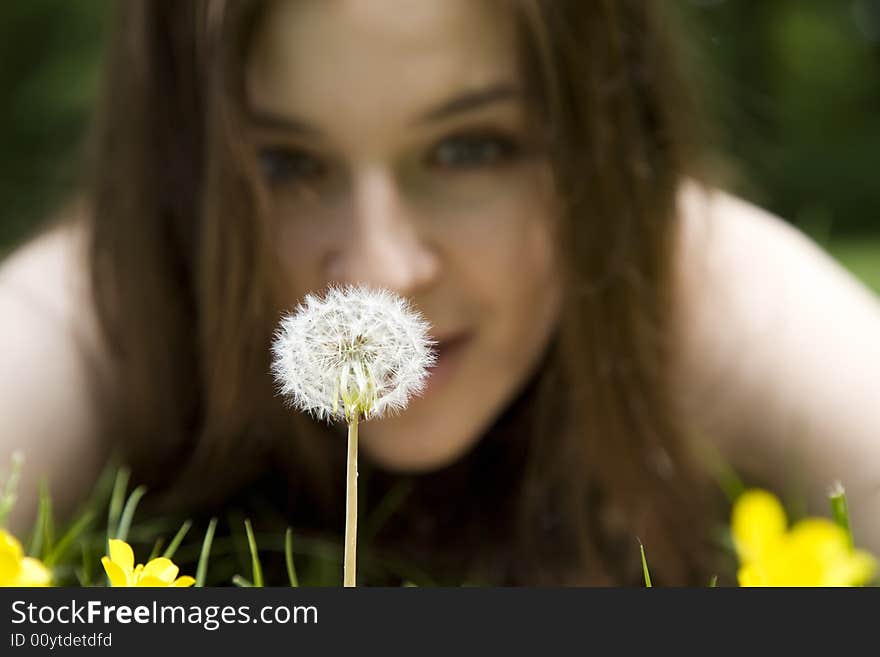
(589,457)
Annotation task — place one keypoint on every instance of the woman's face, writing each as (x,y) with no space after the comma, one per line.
(394,137)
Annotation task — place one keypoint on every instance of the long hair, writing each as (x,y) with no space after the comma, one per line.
(588,458)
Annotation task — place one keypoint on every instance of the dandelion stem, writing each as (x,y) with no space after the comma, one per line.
(351,504)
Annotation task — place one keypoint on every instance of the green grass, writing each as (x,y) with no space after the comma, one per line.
(861,256)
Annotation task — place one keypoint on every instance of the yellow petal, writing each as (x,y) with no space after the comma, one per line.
(815,553)
(122,554)
(184,581)
(9,569)
(821,551)
(117,576)
(33,573)
(750,575)
(862,568)
(855,569)
(151,582)
(821,536)
(8,574)
(758,521)
(161,568)
(797,567)
(9,546)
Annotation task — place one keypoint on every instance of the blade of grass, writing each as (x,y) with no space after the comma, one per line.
(726,477)
(238,536)
(77,528)
(713,583)
(48,518)
(255,557)
(10,488)
(128,512)
(839,509)
(178,538)
(202,568)
(241,582)
(86,575)
(157,545)
(117,500)
(645,566)
(82,575)
(103,488)
(41,541)
(288,557)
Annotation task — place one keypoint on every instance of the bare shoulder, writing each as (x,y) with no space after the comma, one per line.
(49,350)
(778,354)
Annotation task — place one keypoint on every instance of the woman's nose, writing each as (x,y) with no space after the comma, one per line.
(385,247)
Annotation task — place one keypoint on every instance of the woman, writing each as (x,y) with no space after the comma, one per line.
(526,172)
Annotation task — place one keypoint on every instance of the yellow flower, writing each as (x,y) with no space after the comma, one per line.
(17,569)
(122,571)
(815,552)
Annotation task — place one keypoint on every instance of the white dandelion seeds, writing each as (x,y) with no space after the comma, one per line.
(355,352)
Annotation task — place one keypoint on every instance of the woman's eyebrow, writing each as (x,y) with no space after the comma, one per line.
(276,122)
(472,100)
(465,102)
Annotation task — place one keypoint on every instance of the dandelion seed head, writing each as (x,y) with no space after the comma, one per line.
(355,351)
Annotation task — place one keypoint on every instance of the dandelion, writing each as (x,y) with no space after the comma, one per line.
(160,572)
(355,353)
(814,552)
(17,569)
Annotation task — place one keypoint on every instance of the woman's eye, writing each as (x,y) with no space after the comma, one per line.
(285,165)
(466,152)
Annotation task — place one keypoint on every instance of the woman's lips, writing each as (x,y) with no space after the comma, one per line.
(448,351)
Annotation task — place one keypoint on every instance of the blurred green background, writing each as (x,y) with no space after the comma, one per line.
(794,84)
(794,87)
(50,52)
